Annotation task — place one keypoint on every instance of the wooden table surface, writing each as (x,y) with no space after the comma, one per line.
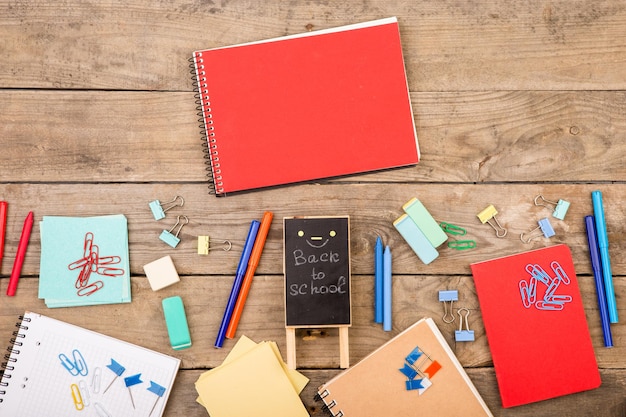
(511,99)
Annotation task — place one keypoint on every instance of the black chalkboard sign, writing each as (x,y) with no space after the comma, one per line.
(317,271)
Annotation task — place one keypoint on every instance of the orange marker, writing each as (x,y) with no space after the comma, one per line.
(255,256)
(21,253)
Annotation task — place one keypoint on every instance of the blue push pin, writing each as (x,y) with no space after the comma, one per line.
(158,209)
(158,390)
(130,381)
(170,238)
(117,369)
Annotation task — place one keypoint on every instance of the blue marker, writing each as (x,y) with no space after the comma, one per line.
(234,292)
(378,280)
(594,253)
(603,245)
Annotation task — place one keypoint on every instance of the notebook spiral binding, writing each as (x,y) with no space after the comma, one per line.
(9,357)
(328,407)
(207,133)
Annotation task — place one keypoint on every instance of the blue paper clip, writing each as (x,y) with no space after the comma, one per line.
(560,207)
(464,335)
(172,239)
(544,226)
(449,296)
(158,209)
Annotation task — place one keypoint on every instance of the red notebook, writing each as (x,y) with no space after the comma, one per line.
(303,107)
(536,326)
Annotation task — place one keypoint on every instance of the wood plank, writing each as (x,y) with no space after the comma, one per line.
(372,208)
(415,297)
(464,137)
(451,46)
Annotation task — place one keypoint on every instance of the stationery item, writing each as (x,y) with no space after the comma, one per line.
(253,380)
(537,353)
(176,322)
(159,209)
(161,273)
(234,292)
(443,388)
(487,215)
(170,238)
(378,280)
(4,206)
(21,254)
(387,290)
(454,230)
(204,245)
(334,117)
(416,239)
(427,224)
(253,263)
(50,373)
(603,244)
(464,334)
(594,254)
(317,278)
(560,207)
(544,227)
(84,261)
(448,298)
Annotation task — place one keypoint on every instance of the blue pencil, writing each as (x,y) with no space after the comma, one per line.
(597,275)
(387,325)
(234,292)
(378,281)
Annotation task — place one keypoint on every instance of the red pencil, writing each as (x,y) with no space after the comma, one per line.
(21,254)
(255,256)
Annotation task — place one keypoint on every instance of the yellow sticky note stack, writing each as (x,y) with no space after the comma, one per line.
(252,380)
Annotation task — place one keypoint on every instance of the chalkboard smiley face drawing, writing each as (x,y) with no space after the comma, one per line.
(317,241)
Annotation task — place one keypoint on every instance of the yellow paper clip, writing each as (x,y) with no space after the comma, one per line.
(204,245)
(77,397)
(488,214)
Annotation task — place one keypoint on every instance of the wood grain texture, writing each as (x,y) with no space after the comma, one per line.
(511,99)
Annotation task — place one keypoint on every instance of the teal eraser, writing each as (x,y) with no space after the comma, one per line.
(416,239)
(425,221)
(176,322)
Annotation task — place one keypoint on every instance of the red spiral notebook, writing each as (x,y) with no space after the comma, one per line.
(297,108)
(536,325)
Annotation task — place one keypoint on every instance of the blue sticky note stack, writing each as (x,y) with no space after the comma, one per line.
(420,230)
(84,261)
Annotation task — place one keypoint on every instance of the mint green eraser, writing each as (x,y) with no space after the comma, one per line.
(416,239)
(176,322)
(425,221)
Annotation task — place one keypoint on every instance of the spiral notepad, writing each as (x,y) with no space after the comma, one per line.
(58,369)
(316,105)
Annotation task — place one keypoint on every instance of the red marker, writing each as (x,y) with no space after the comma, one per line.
(3,224)
(21,254)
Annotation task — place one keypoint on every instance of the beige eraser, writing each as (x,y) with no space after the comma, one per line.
(161,273)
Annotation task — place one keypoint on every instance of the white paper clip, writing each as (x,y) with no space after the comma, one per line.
(544,226)
(489,213)
(560,207)
(449,296)
(464,335)
(204,245)
(172,238)
(158,209)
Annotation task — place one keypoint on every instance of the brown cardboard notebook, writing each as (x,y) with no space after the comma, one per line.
(415,373)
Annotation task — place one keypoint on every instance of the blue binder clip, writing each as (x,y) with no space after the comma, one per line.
(544,226)
(172,239)
(449,296)
(158,209)
(560,207)
(464,335)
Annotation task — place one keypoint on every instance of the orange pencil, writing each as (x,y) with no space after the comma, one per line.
(255,256)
